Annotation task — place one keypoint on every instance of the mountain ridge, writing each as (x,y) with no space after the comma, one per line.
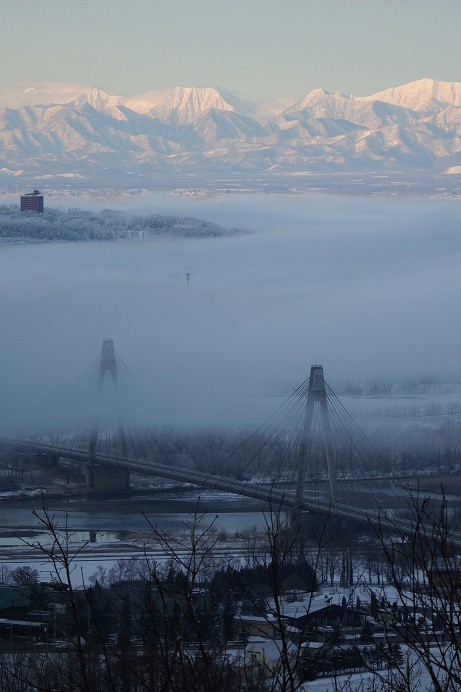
(412,126)
(416,95)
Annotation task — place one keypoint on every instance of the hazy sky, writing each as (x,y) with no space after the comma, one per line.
(258,48)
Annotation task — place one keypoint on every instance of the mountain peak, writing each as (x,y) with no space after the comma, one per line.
(99,99)
(186,104)
(421,94)
(194,101)
(415,125)
(319,98)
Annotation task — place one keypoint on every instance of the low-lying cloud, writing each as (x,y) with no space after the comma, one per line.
(366,287)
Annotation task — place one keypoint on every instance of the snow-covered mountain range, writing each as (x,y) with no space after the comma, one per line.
(194,130)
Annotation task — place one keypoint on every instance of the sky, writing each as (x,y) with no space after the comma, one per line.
(257,48)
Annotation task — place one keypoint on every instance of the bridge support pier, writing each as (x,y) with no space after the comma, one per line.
(48,459)
(316,396)
(100,478)
(321,530)
(89,476)
(104,479)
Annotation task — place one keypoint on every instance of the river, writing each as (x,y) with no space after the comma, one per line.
(117,529)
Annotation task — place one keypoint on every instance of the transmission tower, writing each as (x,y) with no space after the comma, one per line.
(316,397)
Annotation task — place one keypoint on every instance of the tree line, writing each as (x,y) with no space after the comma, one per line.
(77,225)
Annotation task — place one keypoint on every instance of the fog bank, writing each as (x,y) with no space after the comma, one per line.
(367,287)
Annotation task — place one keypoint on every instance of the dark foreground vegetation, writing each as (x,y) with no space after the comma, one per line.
(294,610)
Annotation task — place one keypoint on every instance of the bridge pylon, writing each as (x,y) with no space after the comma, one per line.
(107,479)
(316,398)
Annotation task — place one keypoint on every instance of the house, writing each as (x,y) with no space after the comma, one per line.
(330,615)
(23,629)
(13,597)
(257,626)
(328,608)
(445,572)
(265,656)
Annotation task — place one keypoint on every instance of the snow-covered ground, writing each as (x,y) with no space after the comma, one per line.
(411,677)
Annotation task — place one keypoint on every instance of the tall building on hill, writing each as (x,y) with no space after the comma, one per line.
(32,201)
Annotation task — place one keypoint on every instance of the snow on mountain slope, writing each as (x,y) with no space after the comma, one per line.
(189,103)
(321,104)
(420,95)
(184,104)
(341,109)
(99,100)
(194,101)
(417,125)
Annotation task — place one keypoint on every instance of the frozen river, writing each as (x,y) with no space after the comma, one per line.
(119,529)
(116,517)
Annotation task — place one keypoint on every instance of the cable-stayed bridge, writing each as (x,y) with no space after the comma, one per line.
(276,498)
(308,456)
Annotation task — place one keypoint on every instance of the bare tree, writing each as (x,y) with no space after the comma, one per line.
(426,576)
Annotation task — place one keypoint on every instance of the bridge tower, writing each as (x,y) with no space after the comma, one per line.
(316,397)
(97,477)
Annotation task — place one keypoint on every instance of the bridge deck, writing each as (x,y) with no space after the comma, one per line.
(277,499)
